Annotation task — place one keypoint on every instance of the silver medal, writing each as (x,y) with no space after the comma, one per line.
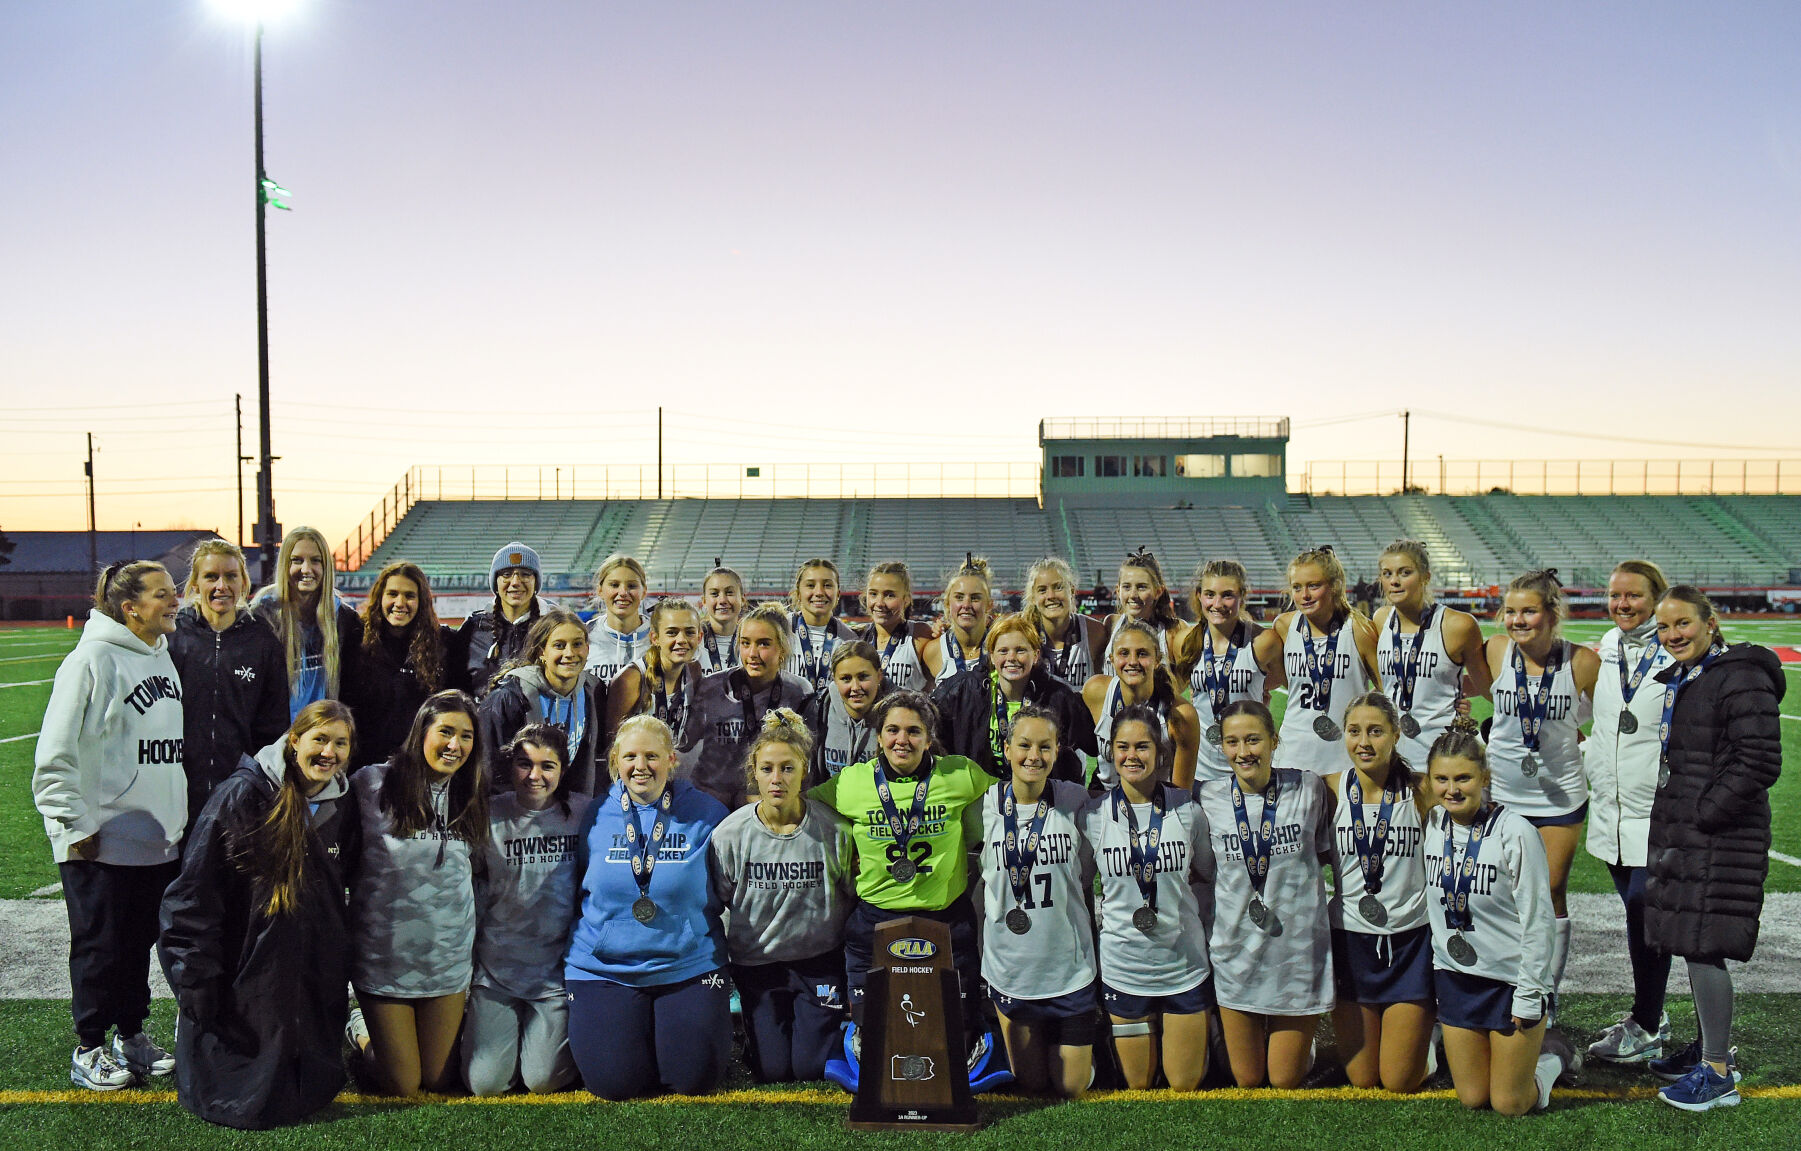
(903,870)
(644,909)
(1628,723)
(1216,734)
(1372,911)
(1410,727)
(1461,950)
(1259,912)
(1018,922)
(1326,729)
(1145,918)
(1529,765)
(1663,771)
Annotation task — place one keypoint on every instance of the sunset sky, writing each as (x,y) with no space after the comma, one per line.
(841,232)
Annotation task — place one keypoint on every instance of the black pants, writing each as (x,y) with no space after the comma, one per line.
(1650,967)
(112,927)
(671,1039)
(960,917)
(792,1015)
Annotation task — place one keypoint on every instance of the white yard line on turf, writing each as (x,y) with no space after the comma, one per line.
(17,738)
(28,683)
(31,658)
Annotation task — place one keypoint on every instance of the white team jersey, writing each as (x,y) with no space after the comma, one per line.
(1514,926)
(1301,746)
(1111,705)
(1245,680)
(810,648)
(1437,684)
(1621,767)
(1056,957)
(902,668)
(954,657)
(1558,788)
(1285,967)
(611,652)
(1172,957)
(717,652)
(1403,893)
(1073,663)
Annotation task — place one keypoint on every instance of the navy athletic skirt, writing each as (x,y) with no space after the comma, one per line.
(1383,969)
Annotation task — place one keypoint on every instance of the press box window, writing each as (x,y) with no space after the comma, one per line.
(1257,465)
(1068,467)
(1109,465)
(1150,465)
(1201,467)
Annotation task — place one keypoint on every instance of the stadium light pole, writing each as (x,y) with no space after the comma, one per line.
(267,534)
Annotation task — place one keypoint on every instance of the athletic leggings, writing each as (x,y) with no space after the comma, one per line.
(112,927)
(1712,985)
(672,1039)
(1650,967)
(792,1015)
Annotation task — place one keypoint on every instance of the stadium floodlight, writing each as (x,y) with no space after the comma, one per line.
(268,533)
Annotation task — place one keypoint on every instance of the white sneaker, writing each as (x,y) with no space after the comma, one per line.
(1626,1042)
(96,1070)
(142,1055)
(356,1031)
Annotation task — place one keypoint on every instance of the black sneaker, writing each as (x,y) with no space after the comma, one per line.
(1676,1066)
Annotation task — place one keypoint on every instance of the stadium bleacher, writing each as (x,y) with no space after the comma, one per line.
(1475,541)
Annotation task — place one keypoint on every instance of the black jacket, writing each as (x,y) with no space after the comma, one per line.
(234,696)
(966,715)
(1710,823)
(385,691)
(487,642)
(263,998)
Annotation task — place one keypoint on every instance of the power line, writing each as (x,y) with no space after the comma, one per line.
(1598,436)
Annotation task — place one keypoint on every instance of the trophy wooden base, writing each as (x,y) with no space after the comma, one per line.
(913,1074)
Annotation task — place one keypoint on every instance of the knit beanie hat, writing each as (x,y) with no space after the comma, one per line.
(514,555)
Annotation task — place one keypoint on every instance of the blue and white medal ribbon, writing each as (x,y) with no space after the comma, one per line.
(1629,684)
(1020,852)
(1457,882)
(1218,682)
(1371,845)
(1533,709)
(1687,675)
(1143,853)
(1321,673)
(1407,665)
(1257,848)
(643,849)
(901,865)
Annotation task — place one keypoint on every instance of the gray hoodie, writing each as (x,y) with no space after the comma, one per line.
(412,903)
(109,758)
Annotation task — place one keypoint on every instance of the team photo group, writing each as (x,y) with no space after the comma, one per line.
(628,850)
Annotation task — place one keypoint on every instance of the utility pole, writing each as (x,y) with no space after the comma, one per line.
(238,405)
(659,453)
(1406,422)
(93,542)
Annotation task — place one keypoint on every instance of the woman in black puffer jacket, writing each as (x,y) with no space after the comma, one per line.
(1710,824)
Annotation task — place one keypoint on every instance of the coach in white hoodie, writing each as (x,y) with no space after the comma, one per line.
(110,785)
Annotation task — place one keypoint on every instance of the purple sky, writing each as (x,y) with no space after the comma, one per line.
(843,232)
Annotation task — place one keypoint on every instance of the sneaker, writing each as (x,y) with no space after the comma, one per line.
(1663,1030)
(1556,1043)
(1677,1066)
(95,1069)
(1703,1089)
(1626,1042)
(987,1065)
(141,1055)
(846,1072)
(356,1031)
